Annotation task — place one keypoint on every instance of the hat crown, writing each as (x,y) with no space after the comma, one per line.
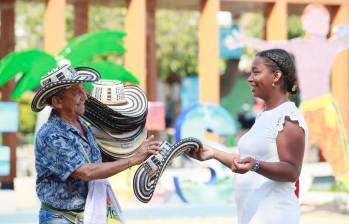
(65,72)
(110,92)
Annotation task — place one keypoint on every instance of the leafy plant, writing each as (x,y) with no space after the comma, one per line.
(80,51)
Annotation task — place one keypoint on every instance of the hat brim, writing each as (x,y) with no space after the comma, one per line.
(143,183)
(103,117)
(84,74)
(136,105)
(120,149)
(102,133)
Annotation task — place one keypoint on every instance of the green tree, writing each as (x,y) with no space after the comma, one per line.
(295,28)
(177,42)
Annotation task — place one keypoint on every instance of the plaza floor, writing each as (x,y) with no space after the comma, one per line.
(317,207)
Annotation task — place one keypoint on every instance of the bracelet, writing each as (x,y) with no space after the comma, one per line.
(256,167)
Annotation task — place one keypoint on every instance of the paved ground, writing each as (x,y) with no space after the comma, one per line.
(319,208)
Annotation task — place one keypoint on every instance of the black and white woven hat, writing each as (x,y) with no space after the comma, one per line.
(59,78)
(149,173)
(117,148)
(117,114)
(127,101)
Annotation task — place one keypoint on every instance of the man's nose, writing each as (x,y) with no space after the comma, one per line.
(83,94)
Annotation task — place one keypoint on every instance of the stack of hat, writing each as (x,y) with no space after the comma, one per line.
(149,173)
(117,114)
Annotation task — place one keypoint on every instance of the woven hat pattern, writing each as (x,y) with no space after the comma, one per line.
(119,128)
(59,78)
(149,173)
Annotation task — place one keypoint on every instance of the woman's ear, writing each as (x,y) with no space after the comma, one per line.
(57,102)
(277,76)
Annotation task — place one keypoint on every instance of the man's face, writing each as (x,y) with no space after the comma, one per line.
(73,101)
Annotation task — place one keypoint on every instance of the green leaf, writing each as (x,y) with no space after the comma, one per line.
(31,79)
(87,46)
(23,62)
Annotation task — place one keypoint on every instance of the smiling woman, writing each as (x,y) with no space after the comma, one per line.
(271,152)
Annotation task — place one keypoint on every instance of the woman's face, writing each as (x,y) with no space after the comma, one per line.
(261,78)
(73,101)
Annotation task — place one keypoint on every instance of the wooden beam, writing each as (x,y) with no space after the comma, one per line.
(151,51)
(80,17)
(7,45)
(276,21)
(209,52)
(340,71)
(54,33)
(135,41)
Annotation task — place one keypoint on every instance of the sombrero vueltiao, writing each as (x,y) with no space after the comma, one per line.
(118,115)
(149,173)
(60,78)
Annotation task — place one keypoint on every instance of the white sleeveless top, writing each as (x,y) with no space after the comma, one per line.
(259,199)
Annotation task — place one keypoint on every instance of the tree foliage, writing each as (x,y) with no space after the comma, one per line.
(177,42)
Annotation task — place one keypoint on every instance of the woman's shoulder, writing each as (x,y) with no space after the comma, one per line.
(289,112)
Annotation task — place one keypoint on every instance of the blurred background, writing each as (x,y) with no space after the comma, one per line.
(196,86)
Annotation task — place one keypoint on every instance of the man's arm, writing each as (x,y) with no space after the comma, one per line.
(92,171)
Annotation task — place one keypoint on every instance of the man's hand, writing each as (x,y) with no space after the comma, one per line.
(148,147)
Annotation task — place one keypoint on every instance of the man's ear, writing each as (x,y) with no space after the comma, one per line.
(57,102)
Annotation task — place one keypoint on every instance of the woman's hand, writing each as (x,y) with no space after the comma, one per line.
(148,147)
(243,165)
(205,153)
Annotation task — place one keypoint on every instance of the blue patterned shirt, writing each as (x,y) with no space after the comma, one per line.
(58,153)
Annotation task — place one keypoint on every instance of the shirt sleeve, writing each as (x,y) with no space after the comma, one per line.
(62,155)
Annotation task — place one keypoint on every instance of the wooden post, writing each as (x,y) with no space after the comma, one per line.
(135,41)
(276,21)
(151,51)
(209,52)
(7,45)
(80,17)
(340,72)
(54,33)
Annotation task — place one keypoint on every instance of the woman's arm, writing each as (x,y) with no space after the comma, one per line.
(290,145)
(208,152)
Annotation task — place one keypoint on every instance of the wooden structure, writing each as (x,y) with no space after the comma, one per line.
(140,26)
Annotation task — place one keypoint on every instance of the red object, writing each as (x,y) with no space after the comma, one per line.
(156,116)
(297,188)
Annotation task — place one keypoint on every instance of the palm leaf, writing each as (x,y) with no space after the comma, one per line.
(110,70)
(22,62)
(30,79)
(89,45)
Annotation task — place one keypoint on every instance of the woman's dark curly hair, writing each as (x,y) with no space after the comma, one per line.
(280,60)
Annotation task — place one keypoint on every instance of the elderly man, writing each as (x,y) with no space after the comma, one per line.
(67,155)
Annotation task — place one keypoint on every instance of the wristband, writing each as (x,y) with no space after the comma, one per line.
(256,167)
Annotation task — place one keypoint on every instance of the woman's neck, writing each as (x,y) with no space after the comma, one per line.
(273,102)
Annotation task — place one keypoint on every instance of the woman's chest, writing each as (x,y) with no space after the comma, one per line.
(259,141)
